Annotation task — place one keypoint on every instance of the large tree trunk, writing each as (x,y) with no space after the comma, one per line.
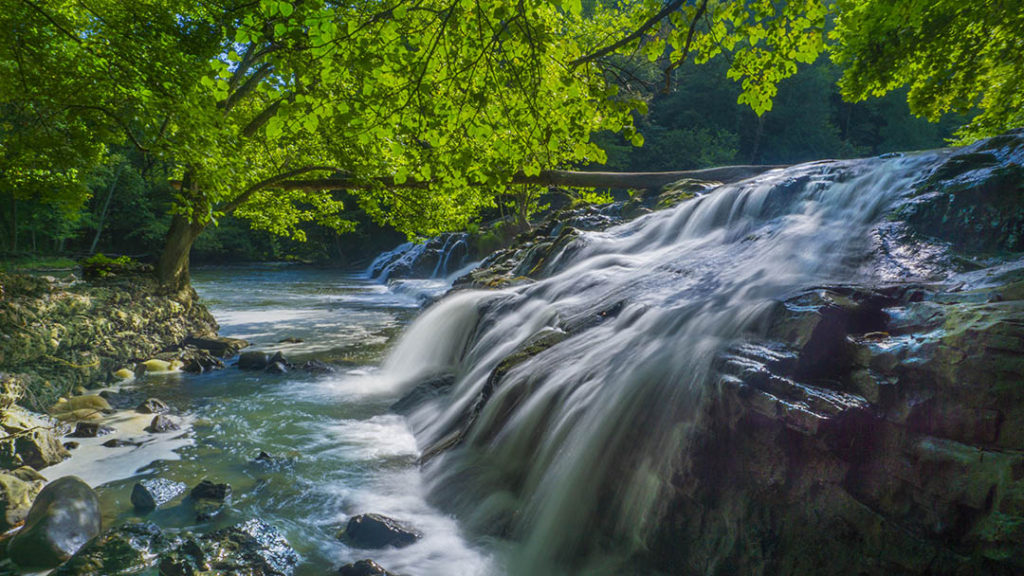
(172,269)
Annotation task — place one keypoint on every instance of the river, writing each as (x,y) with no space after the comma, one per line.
(338,451)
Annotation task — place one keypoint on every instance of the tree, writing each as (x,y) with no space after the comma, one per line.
(953,56)
(244,95)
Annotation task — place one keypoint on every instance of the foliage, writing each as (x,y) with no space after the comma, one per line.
(100,266)
(954,56)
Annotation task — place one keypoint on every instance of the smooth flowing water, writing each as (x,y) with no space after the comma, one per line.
(571,453)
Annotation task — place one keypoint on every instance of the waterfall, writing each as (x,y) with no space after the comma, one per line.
(570,449)
(435,258)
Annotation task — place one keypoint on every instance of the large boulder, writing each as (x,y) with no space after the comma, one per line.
(377,531)
(64,516)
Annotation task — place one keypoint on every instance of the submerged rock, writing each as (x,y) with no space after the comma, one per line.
(208,490)
(253,360)
(64,516)
(377,531)
(120,443)
(317,367)
(155,492)
(209,499)
(363,568)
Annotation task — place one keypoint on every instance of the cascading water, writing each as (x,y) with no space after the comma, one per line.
(569,450)
(435,258)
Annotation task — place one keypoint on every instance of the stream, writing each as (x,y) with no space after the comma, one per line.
(338,452)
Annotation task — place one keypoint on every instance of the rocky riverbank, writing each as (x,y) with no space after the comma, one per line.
(61,337)
(58,336)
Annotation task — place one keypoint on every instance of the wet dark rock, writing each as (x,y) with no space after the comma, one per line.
(431,388)
(71,445)
(276,368)
(198,361)
(363,568)
(252,547)
(206,510)
(64,516)
(163,423)
(120,443)
(218,346)
(377,531)
(209,499)
(153,406)
(253,360)
(90,430)
(123,550)
(317,367)
(155,492)
(291,340)
(208,490)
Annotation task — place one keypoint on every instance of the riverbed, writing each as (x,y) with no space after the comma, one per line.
(336,450)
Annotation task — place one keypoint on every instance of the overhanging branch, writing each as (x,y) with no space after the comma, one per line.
(561,178)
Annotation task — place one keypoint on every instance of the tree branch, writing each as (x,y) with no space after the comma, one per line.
(640,31)
(565,178)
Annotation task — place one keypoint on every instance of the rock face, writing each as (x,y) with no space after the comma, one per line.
(64,516)
(377,531)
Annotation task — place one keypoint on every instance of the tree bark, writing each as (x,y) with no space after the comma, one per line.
(172,269)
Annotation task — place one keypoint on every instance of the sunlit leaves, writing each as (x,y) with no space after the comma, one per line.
(954,56)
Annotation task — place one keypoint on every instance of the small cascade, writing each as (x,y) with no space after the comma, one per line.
(575,397)
(437,257)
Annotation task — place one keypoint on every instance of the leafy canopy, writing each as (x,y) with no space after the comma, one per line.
(955,56)
(242,95)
